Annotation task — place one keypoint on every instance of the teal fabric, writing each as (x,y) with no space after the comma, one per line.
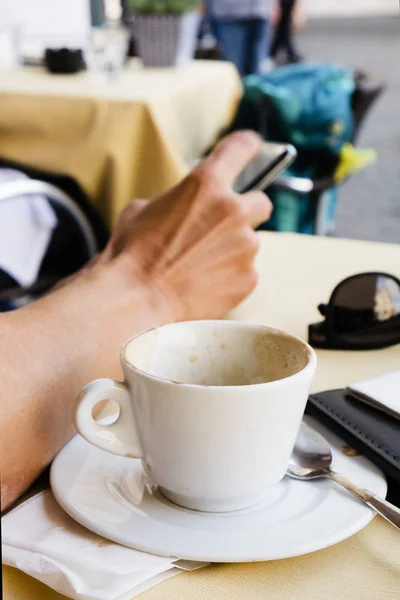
(313,102)
(313,105)
(293,212)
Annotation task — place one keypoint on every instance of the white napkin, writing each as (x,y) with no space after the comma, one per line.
(381,392)
(40,539)
(26,227)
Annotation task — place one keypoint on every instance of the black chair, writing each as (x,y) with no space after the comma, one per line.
(78,236)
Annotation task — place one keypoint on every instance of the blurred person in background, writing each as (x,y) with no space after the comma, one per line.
(283,41)
(241,28)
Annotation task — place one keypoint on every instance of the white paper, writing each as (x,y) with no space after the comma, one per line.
(40,539)
(383,391)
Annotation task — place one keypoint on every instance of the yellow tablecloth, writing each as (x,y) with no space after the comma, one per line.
(296,274)
(132,137)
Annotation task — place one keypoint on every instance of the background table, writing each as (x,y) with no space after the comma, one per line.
(132,137)
(296,274)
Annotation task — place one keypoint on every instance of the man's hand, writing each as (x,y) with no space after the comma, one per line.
(195,244)
(187,255)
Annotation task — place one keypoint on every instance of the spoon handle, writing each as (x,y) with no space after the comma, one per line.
(388,511)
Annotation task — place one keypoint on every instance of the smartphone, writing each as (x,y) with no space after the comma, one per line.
(264,168)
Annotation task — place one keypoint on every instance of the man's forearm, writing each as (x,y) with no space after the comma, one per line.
(48,351)
(187,255)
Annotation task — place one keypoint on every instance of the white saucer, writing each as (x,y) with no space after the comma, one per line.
(295,517)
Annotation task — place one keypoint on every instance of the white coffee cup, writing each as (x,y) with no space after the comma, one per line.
(211,407)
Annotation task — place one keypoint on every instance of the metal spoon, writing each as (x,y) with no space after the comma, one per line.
(312,458)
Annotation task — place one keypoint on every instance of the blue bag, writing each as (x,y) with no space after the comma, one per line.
(313,102)
(313,108)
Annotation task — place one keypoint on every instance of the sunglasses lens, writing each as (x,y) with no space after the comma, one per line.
(366,310)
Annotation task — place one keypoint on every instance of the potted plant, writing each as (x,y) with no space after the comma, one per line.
(165,30)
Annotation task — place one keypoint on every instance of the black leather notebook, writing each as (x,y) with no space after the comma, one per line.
(373,433)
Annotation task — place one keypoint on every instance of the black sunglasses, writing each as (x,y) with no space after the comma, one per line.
(363,313)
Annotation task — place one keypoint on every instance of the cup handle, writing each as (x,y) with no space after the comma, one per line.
(121,437)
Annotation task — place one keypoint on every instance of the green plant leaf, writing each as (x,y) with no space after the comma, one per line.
(163,6)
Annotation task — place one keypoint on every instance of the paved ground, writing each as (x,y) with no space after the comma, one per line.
(360,8)
(369,205)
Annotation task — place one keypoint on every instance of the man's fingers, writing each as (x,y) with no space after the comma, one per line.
(257,206)
(232,154)
(136,206)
